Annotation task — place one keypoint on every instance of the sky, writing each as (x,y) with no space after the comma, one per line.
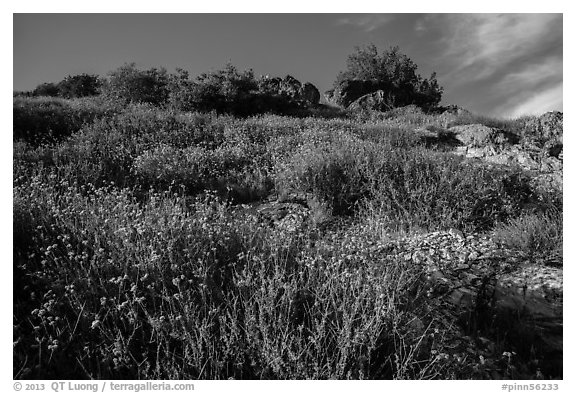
(503,65)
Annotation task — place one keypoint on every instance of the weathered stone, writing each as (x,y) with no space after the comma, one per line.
(309,93)
(349,91)
(290,87)
(527,161)
(479,135)
(551,164)
(375,101)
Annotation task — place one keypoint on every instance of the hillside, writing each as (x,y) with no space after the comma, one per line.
(157,242)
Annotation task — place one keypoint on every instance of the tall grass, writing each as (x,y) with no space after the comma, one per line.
(135,258)
(537,234)
(111,288)
(42,120)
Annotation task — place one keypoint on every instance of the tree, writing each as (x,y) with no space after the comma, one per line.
(392,72)
(82,85)
(129,84)
(46,89)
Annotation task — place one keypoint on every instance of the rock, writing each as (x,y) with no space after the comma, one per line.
(464,298)
(527,161)
(501,159)
(496,294)
(376,101)
(453,110)
(475,152)
(290,87)
(551,164)
(349,91)
(461,150)
(269,85)
(479,135)
(309,93)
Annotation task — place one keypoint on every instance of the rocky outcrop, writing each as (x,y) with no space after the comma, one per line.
(349,91)
(374,101)
(539,150)
(309,93)
(492,291)
(477,135)
(290,89)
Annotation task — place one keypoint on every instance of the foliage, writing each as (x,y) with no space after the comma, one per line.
(393,72)
(40,120)
(113,289)
(47,90)
(535,233)
(139,251)
(82,85)
(128,84)
(239,93)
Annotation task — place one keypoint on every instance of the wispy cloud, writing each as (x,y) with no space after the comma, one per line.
(534,103)
(368,22)
(483,44)
(510,63)
(527,75)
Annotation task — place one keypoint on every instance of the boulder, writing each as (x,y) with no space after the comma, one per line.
(269,85)
(349,91)
(309,93)
(290,87)
(478,135)
(376,101)
(527,160)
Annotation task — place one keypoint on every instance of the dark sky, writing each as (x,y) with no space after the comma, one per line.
(495,64)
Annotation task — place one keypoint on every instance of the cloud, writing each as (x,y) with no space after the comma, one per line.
(535,103)
(504,64)
(368,23)
(480,45)
(549,70)
(532,88)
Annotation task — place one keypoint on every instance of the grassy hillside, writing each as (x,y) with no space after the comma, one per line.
(141,249)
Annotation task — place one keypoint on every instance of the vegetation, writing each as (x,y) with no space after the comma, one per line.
(73,86)
(138,253)
(392,72)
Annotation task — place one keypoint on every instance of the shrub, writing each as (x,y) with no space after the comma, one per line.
(332,172)
(128,84)
(112,288)
(392,72)
(224,91)
(228,169)
(46,120)
(240,93)
(47,90)
(418,188)
(82,85)
(537,234)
